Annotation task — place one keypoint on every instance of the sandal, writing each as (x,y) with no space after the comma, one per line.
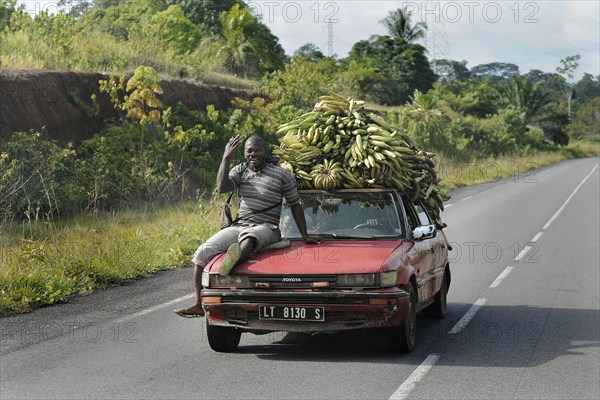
(190,312)
(231,258)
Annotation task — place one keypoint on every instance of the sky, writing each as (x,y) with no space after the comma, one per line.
(530,34)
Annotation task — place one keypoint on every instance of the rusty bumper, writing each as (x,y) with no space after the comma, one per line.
(343,309)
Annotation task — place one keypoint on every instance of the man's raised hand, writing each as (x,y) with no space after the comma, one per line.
(231,147)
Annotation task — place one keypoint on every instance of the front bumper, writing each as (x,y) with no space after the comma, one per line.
(344,309)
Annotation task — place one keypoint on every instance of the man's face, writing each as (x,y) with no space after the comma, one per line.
(255,154)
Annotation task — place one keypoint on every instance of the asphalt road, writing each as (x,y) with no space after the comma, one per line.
(523,321)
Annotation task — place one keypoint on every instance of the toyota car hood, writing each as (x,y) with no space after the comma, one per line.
(329,257)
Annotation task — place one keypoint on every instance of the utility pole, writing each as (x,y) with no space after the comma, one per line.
(330,38)
(438,47)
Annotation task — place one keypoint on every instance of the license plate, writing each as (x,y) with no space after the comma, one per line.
(291,313)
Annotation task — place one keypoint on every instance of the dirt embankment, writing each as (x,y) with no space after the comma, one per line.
(37,99)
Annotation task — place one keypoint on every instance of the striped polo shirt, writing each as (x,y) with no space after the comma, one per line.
(259,190)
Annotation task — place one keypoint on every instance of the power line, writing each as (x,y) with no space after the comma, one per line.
(527,46)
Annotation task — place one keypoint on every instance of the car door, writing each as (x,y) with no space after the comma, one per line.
(421,255)
(438,249)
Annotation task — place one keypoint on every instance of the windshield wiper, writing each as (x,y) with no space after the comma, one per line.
(342,236)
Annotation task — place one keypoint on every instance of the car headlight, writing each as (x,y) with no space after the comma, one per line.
(205,279)
(356,280)
(229,281)
(388,279)
(381,279)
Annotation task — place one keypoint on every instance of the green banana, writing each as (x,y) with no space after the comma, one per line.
(341,145)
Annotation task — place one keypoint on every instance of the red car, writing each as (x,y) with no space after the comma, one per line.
(381,262)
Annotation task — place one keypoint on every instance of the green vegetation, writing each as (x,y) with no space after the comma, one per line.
(44,263)
(522,168)
(177,38)
(393,65)
(137,196)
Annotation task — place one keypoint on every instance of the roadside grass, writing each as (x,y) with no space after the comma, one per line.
(230,81)
(456,174)
(44,262)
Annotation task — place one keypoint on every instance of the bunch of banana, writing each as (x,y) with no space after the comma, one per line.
(327,175)
(435,205)
(340,145)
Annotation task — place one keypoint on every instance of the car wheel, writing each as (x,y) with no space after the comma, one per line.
(402,337)
(437,309)
(223,339)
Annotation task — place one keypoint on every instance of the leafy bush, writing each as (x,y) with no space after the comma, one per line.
(37,178)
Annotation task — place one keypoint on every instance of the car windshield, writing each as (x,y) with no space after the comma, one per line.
(346,215)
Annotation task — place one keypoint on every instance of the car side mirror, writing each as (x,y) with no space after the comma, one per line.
(424,232)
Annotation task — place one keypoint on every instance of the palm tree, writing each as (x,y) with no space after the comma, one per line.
(537,109)
(236,24)
(529,99)
(399,27)
(247,45)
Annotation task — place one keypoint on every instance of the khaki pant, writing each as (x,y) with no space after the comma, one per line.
(264,235)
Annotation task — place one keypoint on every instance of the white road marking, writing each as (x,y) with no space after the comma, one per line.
(537,237)
(155,308)
(464,321)
(409,384)
(557,213)
(522,253)
(501,277)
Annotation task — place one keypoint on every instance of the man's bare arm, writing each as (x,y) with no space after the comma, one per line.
(298,214)
(224,184)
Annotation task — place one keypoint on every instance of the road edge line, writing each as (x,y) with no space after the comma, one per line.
(155,308)
(419,373)
(557,213)
(464,321)
(502,276)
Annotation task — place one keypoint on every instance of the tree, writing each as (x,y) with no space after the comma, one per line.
(236,24)
(471,97)
(495,71)
(174,30)
(528,98)
(248,47)
(301,81)
(73,8)
(587,88)
(535,75)
(124,17)
(461,72)
(398,26)
(107,3)
(310,52)
(7,8)
(8,12)
(403,66)
(362,77)
(586,120)
(537,109)
(567,69)
(394,66)
(206,14)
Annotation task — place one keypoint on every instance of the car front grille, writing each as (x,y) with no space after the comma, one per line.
(292,281)
(292,299)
